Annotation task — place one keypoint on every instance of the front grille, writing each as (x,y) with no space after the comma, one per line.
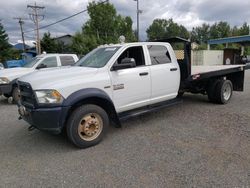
(26,94)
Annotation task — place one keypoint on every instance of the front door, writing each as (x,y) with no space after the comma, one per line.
(131,86)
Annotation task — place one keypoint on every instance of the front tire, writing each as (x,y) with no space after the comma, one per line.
(87,125)
(16,94)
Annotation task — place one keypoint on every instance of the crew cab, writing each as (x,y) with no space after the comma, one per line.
(115,82)
(8,77)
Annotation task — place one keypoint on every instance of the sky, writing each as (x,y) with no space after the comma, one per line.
(190,13)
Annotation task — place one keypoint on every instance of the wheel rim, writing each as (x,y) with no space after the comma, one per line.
(90,127)
(227,92)
(17,95)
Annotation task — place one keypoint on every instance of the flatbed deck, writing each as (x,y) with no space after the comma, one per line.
(215,68)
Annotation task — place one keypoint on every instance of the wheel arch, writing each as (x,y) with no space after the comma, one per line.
(13,84)
(92,96)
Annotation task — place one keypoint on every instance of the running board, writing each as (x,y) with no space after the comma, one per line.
(151,108)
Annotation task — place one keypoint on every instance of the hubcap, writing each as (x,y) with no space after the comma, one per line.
(227,92)
(90,127)
(17,95)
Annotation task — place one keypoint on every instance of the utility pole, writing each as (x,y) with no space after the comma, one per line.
(21,22)
(36,18)
(138,19)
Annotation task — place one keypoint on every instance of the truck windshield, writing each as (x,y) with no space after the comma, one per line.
(32,62)
(98,57)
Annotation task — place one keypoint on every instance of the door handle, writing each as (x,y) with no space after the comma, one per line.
(143,74)
(173,69)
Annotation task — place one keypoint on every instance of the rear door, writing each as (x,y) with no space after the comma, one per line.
(165,73)
(131,86)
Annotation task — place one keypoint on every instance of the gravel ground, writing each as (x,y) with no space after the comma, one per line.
(194,144)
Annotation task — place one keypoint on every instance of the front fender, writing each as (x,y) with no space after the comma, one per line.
(94,96)
(84,94)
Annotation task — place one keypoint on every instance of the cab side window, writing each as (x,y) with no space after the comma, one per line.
(133,52)
(50,62)
(159,54)
(67,60)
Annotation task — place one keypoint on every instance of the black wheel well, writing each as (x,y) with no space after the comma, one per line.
(103,103)
(13,86)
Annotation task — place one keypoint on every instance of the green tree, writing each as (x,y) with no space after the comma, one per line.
(101,22)
(124,27)
(157,29)
(82,43)
(235,31)
(5,48)
(219,30)
(201,34)
(48,44)
(62,48)
(104,27)
(244,29)
(162,28)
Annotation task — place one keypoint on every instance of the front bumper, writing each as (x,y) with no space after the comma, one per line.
(45,119)
(5,88)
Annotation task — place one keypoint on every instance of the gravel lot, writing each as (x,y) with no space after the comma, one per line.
(194,144)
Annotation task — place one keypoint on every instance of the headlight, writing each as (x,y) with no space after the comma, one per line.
(49,97)
(4,80)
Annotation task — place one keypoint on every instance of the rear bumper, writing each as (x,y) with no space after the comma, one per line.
(5,88)
(45,119)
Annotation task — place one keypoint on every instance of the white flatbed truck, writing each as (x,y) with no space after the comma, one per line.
(116,82)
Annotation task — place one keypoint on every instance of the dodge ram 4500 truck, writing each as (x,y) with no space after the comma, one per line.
(8,77)
(115,82)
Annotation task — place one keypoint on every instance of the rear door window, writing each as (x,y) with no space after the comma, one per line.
(159,54)
(67,60)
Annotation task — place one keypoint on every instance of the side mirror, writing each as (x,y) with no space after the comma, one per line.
(41,66)
(125,63)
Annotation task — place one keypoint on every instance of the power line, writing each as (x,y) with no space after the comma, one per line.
(43,27)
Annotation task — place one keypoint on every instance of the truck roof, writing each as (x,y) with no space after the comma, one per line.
(52,54)
(132,43)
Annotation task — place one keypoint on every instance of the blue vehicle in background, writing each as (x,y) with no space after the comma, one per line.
(26,57)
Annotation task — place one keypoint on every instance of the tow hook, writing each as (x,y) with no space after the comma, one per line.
(31,128)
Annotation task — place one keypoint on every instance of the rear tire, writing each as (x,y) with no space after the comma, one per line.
(223,91)
(16,94)
(87,125)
